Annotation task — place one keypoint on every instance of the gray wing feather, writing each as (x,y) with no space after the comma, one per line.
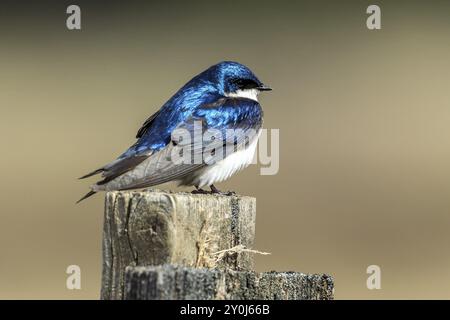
(156,169)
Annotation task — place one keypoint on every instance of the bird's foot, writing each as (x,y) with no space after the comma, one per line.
(214,190)
(200,191)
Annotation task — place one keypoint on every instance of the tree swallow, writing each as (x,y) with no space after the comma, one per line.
(222,98)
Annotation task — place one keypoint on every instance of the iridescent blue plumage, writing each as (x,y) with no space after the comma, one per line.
(205,88)
(231,114)
(212,96)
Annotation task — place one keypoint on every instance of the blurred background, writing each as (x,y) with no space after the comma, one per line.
(363,116)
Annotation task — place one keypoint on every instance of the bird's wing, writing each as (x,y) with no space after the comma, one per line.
(153,136)
(130,159)
(224,123)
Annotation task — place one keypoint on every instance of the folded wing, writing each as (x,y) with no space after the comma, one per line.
(208,135)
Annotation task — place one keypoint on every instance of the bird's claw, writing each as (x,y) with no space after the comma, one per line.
(214,190)
(200,191)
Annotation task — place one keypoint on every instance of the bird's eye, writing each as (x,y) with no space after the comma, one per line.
(245,83)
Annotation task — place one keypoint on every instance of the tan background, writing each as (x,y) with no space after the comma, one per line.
(363,116)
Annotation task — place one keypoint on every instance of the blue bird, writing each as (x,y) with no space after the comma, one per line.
(222,99)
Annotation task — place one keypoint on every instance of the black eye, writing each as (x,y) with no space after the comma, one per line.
(245,84)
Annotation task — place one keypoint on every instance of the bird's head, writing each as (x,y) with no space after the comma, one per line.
(236,80)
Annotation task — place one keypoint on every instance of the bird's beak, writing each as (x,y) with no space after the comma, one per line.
(263,87)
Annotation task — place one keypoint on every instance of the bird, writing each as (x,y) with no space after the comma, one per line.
(222,98)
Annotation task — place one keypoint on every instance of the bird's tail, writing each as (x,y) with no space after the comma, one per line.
(92,173)
(87,195)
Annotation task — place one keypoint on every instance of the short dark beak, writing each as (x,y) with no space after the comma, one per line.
(263,87)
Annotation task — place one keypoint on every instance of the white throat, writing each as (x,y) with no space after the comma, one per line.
(246,93)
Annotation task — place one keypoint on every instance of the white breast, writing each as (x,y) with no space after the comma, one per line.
(225,168)
(251,94)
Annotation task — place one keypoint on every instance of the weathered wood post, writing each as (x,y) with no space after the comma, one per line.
(163,245)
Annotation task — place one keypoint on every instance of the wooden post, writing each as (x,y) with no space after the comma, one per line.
(158,227)
(164,245)
(170,282)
